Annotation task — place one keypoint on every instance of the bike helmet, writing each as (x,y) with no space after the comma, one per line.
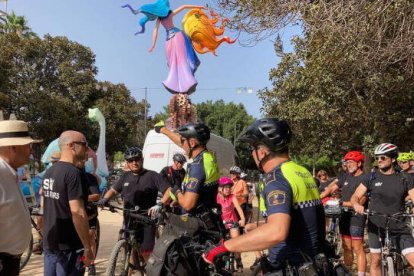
(225,181)
(271,132)
(356,156)
(195,130)
(387,149)
(132,152)
(179,158)
(405,156)
(235,169)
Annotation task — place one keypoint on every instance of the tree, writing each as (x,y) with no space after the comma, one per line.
(348,84)
(226,120)
(16,24)
(51,83)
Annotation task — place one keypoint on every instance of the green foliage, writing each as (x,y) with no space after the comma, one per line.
(16,24)
(51,83)
(228,121)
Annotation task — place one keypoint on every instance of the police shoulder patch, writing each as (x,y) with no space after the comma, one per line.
(276,197)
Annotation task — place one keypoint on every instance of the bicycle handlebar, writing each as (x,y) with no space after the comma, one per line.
(374,213)
(133,213)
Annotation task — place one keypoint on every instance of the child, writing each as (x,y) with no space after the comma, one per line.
(228,204)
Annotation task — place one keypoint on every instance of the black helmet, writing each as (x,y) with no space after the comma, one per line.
(179,158)
(132,152)
(271,132)
(195,130)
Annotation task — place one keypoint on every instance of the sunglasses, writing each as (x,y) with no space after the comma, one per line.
(381,157)
(82,143)
(402,162)
(136,159)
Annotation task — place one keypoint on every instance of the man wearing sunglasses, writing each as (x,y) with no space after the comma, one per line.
(66,227)
(351,226)
(406,161)
(295,223)
(388,188)
(140,187)
(199,188)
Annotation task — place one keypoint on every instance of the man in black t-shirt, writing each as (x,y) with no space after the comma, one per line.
(140,187)
(175,174)
(66,236)
(351,226)
(388,189)
(91,182)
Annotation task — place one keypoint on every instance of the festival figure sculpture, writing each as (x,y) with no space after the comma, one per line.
(182,59)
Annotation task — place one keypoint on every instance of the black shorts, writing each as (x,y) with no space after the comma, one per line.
(145,235)
(404,240)
(352,226)
(93,222)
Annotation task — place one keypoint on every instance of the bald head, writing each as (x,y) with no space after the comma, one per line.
(73,146)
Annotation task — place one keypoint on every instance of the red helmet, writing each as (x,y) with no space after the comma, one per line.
(225,181)
(356,156)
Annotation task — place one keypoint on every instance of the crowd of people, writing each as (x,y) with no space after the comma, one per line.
(291,200)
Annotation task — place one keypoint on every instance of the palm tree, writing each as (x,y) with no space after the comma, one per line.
(17,24)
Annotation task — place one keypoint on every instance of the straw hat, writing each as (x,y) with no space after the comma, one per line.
(15,133)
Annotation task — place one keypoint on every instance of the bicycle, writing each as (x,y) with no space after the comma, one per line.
(119,261)
(392,263)
(29,250)
(333,236)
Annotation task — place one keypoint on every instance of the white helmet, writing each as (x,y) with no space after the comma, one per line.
(235,169)
(387,149)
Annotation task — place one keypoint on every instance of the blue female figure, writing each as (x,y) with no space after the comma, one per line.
(182,60)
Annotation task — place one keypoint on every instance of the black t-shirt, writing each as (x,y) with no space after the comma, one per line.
(140,189)
(61,183)
(388,194)
(349,183)
(93,188)
(174,177)
(323,185)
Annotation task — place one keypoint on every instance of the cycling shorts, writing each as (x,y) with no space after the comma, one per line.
(145,235)
(352,226)
(93,222)
(403,241)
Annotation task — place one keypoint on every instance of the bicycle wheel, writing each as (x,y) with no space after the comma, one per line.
(26,254)
(389,267)
(97,236)
(118,264)
(257,271)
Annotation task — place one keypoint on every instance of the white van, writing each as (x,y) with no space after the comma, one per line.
(159,149)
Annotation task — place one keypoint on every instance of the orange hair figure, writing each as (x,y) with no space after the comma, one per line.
(203,32)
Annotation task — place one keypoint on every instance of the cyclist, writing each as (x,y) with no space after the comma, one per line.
(324,182)
(91,210)
(406,161)
(295,224)
(239,189)
(175,174)
(388,189)
(229,206)
(351,226)
(198,191)
(140,187)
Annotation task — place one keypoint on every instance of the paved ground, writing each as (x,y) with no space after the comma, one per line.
(110,224)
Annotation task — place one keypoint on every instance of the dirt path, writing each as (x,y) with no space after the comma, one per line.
(110,224)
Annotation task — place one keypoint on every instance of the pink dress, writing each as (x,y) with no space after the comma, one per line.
(228,212)
(182,60)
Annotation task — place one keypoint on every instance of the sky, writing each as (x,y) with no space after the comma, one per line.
(121,57)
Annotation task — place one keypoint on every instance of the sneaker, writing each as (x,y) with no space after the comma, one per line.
(91,270)
(256,263)
(239,265)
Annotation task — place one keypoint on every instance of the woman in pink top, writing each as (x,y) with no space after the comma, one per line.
(229,205)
